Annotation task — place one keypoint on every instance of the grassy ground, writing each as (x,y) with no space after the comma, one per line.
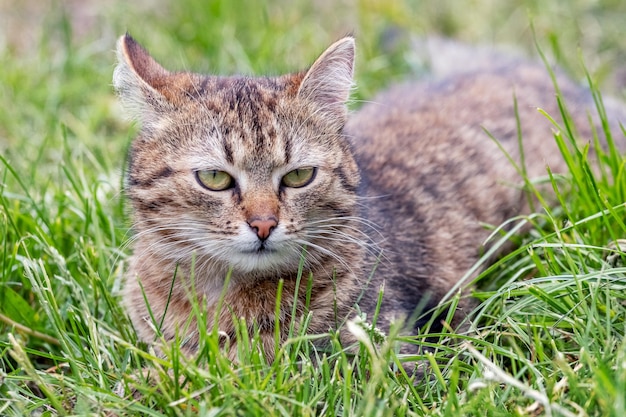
(551,326)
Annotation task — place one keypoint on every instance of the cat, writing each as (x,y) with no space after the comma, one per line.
(254,178)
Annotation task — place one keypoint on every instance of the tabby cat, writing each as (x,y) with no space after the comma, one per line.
(255,178)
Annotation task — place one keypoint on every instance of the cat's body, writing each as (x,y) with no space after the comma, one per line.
(424,148)
(243,176)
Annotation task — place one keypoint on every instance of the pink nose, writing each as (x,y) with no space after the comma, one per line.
(263,226)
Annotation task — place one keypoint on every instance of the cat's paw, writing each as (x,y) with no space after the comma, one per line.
(616,253)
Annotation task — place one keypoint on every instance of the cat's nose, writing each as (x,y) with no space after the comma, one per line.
(263,226)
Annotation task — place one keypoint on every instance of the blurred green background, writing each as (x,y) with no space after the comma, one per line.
(57,56)
(49,46)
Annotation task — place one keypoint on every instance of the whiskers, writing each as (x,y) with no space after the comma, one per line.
(338,238)
(353,229)
(330,243)
(178,241)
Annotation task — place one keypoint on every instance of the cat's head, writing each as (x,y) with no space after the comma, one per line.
(239,170)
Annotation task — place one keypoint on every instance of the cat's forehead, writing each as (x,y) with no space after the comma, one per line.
(252,125)
(241,92)
(240,103)
(249,121)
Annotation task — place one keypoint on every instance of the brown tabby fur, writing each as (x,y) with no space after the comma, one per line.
(405,182)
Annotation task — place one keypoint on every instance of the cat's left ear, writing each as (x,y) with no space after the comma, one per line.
(147,89)
(329,80)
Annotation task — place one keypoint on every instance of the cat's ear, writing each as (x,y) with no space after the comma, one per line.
(140,81)
(329,80)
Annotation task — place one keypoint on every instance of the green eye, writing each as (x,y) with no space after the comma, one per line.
(299,177)
(214,180)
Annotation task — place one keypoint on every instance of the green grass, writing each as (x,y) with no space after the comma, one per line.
(551,324)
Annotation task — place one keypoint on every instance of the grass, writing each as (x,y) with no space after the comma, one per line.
(551,324)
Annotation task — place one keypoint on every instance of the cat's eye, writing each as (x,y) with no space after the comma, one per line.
(299,177)
(214,180)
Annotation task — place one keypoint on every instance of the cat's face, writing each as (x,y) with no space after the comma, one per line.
(240,171)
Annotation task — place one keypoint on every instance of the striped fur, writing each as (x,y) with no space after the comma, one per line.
(405,183)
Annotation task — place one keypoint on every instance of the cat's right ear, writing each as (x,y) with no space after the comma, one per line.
(140,82)
(330,79)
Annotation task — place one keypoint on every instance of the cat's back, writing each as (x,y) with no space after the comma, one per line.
(426,143)
(426,123)
(432,176)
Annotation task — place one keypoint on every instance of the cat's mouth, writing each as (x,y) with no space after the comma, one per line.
(261,249)
(259,258)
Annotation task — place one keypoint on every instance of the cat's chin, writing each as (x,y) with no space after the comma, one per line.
(266,260)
